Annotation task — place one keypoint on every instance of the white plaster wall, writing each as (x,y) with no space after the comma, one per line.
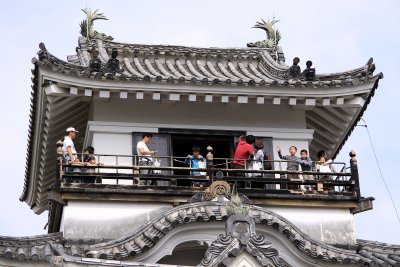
(113,144)
(184,112)
(109,220)
(328,225)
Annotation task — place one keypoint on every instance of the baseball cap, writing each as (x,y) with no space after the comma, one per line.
(72,129)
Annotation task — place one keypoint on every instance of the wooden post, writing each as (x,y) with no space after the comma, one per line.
(354,174)
(210,164)
(59,169)
(136,176)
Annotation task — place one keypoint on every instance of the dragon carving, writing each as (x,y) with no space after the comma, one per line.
(87,26)
(273,36)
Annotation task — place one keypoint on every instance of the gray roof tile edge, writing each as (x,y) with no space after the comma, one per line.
(347,78)
(148,235)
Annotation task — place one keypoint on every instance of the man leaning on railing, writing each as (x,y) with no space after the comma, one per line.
(69,151)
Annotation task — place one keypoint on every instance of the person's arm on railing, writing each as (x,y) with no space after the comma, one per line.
(188,159)
(333,169)
(305,162)
(71,156)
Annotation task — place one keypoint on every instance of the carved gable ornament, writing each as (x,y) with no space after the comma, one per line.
(218,191)
(240,246)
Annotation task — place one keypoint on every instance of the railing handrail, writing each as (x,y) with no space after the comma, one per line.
(227,160)
(282,179)
(137,167)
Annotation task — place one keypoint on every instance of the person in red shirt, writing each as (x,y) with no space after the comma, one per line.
(244,151)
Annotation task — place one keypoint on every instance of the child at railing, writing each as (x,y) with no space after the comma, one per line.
(292,164)
(196,161)
(88,157)
(306,164)
(325,165)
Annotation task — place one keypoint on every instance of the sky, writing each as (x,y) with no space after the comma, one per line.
(336,35)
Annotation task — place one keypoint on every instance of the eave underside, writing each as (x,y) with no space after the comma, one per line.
(331,117)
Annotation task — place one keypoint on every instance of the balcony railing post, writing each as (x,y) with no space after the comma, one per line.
(59,169)
(210,163)
(136,171)
(354,173)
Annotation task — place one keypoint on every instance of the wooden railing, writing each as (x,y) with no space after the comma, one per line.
(273,181)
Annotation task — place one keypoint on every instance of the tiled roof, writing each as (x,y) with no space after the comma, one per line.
(144,238)
(205,66)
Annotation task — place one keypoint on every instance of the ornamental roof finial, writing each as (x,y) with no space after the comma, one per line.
(87,26)
(273,36)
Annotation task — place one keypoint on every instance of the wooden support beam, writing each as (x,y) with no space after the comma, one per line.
(336,118)
(260,100)
(73,90)
(326,102)
(88,92)
(104,94)
(123,94)
(192,98)
(242,99)
(139,95)
(174,97)
(156,96)
(339,101)
(310,102)
(225,99)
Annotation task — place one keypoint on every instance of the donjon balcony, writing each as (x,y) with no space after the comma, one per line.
(87,197)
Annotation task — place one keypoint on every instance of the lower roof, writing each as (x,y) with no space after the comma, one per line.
(143,240)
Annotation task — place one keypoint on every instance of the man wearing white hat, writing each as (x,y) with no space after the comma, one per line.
(69,151)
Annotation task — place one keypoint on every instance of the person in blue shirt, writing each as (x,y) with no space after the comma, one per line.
(196,161)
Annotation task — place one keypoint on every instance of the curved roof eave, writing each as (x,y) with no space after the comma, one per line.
(145,238)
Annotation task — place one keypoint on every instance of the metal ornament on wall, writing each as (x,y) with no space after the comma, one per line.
(273,36)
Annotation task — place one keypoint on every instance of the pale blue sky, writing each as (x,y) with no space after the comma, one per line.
(335,35)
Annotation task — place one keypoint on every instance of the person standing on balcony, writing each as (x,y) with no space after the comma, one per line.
(324,166)
(196,161)
(306,164)
(258,156)
(292,164)
(69,151)
(244,151)
(145,154)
